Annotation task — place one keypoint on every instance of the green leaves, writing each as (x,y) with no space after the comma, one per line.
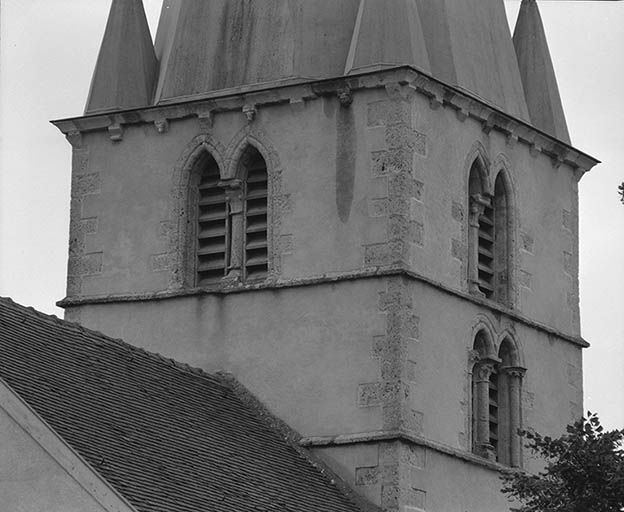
(583,471)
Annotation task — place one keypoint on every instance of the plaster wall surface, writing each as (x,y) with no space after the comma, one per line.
(433,481)
(31,480)
(329,343)
(326,363)
(381,183)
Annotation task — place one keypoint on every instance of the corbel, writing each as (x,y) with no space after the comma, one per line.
(510,129)
(393,90)
(488,124)
(462,114)
(74,137)
(534,149)
(115,131)
(250,112)
(560,155)
(345,96)
(297,103)
(162,125)
(205,116)
(462,107)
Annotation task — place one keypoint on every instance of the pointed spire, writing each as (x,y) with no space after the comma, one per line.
(387,33)
(538,73)
(469,45)
(126,67)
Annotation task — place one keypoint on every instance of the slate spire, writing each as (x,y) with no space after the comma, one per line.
(538,74)
(387,33)
(126,67)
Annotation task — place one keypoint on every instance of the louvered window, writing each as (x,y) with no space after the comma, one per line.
(493,410)
(212,228)
(255,216)
(485,263)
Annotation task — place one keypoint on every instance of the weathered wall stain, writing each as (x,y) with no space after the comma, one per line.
(346,147)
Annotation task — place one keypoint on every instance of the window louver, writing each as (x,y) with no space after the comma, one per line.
(493,410)
(485,263)
(212,229)
(256,189)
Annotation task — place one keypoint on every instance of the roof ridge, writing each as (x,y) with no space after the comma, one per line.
(292,438)
(76,327)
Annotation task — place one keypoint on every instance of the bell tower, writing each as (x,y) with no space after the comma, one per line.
(365,210)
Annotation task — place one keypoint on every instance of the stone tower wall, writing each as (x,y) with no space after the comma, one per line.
(361,338)
(378,185)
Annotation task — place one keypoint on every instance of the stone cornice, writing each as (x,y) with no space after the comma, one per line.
(403,79)
(400,435)
(225,289)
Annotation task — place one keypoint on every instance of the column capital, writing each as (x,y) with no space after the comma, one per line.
(484,368)
(480,200)
(513,371)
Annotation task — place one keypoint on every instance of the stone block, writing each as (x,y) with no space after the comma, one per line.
(411,370)
(413,455)
(567,222)
(414,421)
(367,475)
(402,136)
(83,184)
(568,263)
(457,211)
(378,207)
(458,250)
(370,394)
(526,242)
(524,279)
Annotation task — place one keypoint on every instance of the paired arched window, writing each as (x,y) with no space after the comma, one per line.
(212,223)
(489,235)
(496,402)
(231,220)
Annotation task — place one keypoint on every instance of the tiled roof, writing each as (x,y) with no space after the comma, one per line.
(166,436)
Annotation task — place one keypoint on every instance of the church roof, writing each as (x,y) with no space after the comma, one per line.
(538,73)
(387,33)
(206,46)
(164,435)
(126,68)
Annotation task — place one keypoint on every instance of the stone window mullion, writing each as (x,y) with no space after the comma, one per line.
(514,375)
(235,228)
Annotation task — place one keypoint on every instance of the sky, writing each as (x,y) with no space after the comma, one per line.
(48,50)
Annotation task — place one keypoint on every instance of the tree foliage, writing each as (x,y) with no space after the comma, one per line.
(584,471)
(621,192)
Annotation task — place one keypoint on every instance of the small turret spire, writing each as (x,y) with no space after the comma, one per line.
(126,67)
(387,33)
(538,74)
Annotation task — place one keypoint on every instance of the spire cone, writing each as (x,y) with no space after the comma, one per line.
(538,74)
(387,33)
(126,68)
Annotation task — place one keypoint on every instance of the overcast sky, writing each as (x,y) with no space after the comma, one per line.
(48,51)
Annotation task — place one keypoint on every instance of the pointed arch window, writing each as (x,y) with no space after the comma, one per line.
(488,236)
(232,220)
(502,238)
(255,194)
(212,223)
(496,403)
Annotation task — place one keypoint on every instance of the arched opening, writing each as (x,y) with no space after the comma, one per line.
(484,399)
(481,233)
(212,221)
(509,450)
(501,245)
(253,173)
